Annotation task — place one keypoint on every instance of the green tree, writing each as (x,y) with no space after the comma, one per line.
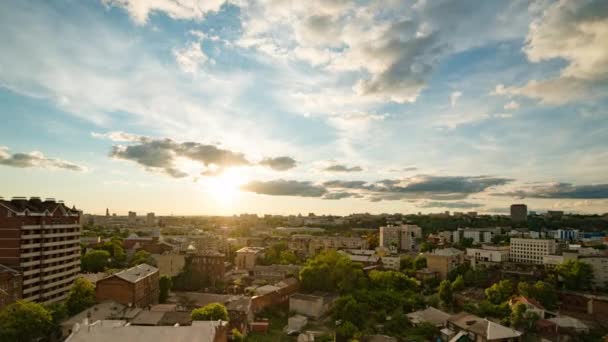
(164,285)
(117,252)
(80,297)
(546,294)
(237,336)
(288,258)
(419,262)
(445,292)
(95,261)
(346,330)
(499,292)
(142,257)
(392,280)
(575,275)
(458,284)
(372,241)
(517,315)
(210,312)
(25,321)
(332,272)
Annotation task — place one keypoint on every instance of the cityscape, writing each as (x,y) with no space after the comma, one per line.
(304,171)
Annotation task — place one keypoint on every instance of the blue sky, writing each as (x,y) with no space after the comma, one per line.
(331,106)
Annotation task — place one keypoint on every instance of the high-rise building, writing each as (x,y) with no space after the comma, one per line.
(150,219)
(401,237)
(531,251)
(519,212)
(132,219)
(41,240)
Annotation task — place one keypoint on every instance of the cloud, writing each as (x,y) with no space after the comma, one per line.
(279,163)
(453,205)
(191,57)
(454,96)
(341,195)
(559,191)
(285,188)
(576,32)
(167,155)
(117,136)
(511,105)
(35,159)
(140,10)
(342,168)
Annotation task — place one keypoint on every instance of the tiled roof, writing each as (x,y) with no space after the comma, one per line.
(35,205)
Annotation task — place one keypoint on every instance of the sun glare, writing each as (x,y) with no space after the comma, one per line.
(225,187)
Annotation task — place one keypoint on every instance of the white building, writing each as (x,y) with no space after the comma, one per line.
(531,251)
(488,254)
(401,237)
(391,262)
(483,235)
(600,270)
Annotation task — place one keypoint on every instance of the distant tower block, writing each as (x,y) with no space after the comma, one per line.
(519,212)
(107,212)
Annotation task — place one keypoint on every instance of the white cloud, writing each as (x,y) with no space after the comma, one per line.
(191,57)
(513,105)
(117,136)
(140,10)
(574,31)
(454,96)
(36,159)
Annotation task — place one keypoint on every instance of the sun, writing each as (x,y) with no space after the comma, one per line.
(226,186)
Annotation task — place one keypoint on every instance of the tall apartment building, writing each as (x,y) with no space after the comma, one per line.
(531,251)
(41,240)
(519,212)
(401,237)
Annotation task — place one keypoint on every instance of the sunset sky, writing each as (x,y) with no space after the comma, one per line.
(287,107)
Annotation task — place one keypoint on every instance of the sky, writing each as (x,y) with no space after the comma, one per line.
(222,107)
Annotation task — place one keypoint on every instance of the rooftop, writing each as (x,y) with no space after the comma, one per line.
(98,332)
(251,250)
(430,315)
(483,327)
(446,252)
(134,274)
(35,205)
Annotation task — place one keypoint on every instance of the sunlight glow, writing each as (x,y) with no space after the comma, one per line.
(225,187)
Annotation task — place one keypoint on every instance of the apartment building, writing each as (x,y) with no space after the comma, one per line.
(478,235)
(210,264)
(309,245)
(41,240)
(531,251)
(444,260)
(402,237)
(137,286)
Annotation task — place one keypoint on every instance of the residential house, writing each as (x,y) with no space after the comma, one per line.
(311,305)
(444,260)
(137,286)
(468,327)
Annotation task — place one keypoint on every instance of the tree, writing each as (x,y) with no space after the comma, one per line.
(164,285)
(372,241)
(499,292)
(117,252)
(142,257)
(419,262)
(331,271)
(392,280)
(346,330)
(458,284)
(575,275)
(445,292)
(237,336)
(95,261)
(210,312)
(546,294)
(80,297)
(25,321)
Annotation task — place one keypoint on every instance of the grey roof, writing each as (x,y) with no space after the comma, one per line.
(430,315)
(483,327)
(201,332)
(102,311)
(136,273)
(148,318)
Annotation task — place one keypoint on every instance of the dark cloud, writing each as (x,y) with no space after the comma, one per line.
(560,190)
(341,195)
(433,187)
(285,188)
(342,168)
(452,205)
(279,163)
(162,154)
(35,159)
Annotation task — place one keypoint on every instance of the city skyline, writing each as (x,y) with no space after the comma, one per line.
(331,107)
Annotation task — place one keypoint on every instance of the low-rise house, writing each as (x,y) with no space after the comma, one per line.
(565,324)
(465,325)
(429,315)
(118,331)
(246,257)
(296,323)
(391,262)
(426,274)
(272,273)
(108,310)
(311,305)
(274,295)
(583,304)
(136,286)
(488,255)
(531,304)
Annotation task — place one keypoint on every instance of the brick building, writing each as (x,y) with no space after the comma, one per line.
(137,286)
(246,257)
(444,260)
(10,286)
(209,264)
(41,240)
